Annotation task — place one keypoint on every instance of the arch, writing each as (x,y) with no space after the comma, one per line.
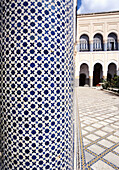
(112,61)
(97,74)
(84,62)
(112,70)
(84,74)
(112,31)
(98,42)
(84,32)
(98,32)
(112,42)
(84,42)
(100,62)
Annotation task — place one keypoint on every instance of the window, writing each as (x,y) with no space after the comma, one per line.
(97,43)
(84,43)
(112,42)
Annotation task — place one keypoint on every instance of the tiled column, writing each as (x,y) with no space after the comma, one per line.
(36,83)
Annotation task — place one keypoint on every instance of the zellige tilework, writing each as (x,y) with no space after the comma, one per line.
(36,84)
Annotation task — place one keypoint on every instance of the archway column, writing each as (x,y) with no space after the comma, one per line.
(91,81)
(105,45)
(78,46)
(105,77)
(118,71)
(91,76)
(105,70)
(91,45)
(118,45)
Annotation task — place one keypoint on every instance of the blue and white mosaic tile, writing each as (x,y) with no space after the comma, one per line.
(36,84)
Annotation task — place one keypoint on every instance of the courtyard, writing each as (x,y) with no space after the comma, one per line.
(98,117)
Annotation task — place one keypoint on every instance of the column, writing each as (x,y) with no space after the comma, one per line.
(118,72)
(105,77)
(78,46)
(37,84)
(77,81)
(105,45)
(105,70)
(91,45)
(118,45)
(91,81)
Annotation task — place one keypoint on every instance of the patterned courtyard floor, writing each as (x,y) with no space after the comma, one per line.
(99,129)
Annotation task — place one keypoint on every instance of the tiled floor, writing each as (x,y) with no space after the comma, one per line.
(99,132)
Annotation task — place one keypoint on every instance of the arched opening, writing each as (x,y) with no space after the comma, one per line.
(84,75)
(111,71)
(97,42)
(84,42)
(112,42)
(97,74)
(82,79)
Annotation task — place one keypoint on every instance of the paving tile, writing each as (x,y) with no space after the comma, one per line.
(84,132)
(82,125)
(100,118)
(106,143)
(114,108)
(116,133)
(112,158)
(112,118)
(116,150)
(100,165)
(107,129)
(88,156)
(113,138)
(116,123)
(109,121)
(100,133)
(114,126)
(96,149)
(85,141)
(97,125)
(92,137)
(89,128)
(104,123)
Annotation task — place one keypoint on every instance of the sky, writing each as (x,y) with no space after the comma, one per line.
(92,6)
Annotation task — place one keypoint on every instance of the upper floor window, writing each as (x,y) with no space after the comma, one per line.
(112,42)
(84,43)
(98,42)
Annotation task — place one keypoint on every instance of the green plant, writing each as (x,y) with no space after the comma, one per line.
(106,84)
(114,82)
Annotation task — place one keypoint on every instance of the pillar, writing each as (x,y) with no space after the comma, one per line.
(91,45)
(118,45)
(118,72)
(105,45)
(91,81)
(78,47)
(36,84)
(77,78)
(105,77)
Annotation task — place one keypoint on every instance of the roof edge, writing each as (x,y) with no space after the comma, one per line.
(109,12)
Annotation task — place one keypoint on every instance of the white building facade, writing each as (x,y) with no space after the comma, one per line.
(97,56)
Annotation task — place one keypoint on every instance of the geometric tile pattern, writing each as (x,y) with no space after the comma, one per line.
(36,84)
(99,129)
